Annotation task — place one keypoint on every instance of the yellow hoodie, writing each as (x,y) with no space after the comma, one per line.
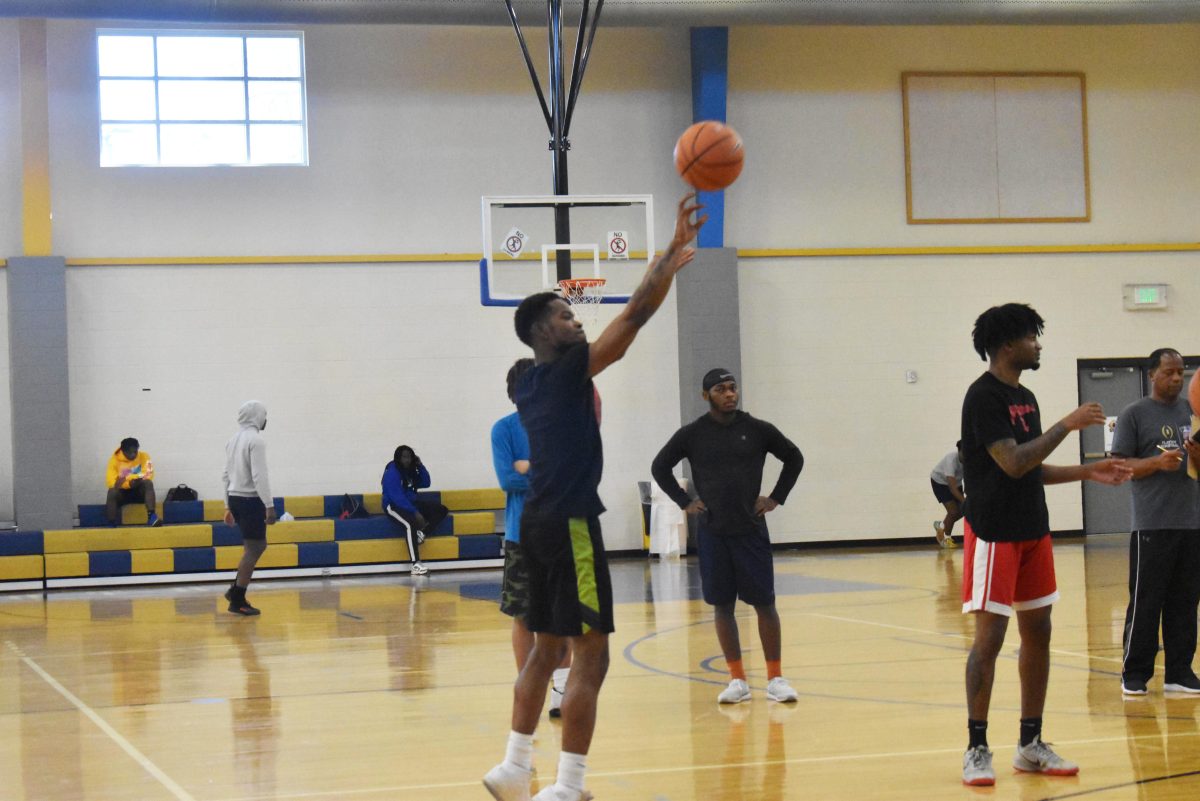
(122,470)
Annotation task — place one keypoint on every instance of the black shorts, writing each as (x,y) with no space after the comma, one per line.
(132,495)
(570,592)
(942,492)
(736,567)
(250,515)
(514,589)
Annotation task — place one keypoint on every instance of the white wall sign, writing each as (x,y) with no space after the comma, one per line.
(514,242)
(618,245)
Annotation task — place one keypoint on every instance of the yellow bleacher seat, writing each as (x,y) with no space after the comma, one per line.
(30,566)
(214,510)
(152,560)
(282,555)
(74,540)
(354,552)
(67,565)
(439,548)
(134,514)
(373,502)
(301,531)
(471,499)
(474,523)
(305,505)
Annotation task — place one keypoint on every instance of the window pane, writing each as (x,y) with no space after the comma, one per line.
(273,57)
(126,55)
(200,56)
(191,145)
(277,144)
(127,100)
(275,100)
(127,144)
(201,100)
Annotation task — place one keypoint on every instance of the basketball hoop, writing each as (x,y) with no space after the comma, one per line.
(584,295)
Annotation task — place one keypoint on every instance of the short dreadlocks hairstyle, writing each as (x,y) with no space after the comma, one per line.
(1000,325)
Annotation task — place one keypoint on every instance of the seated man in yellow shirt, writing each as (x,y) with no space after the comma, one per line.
(130,480)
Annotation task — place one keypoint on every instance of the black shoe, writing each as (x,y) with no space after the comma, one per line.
(1134,687)
(229,592)
(241,606)
(1185,684)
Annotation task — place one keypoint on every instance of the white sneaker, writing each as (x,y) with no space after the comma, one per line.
(557,792)
(508,782)
(420,537)
(737,691)
(419,569)
(556,697)
(778,689)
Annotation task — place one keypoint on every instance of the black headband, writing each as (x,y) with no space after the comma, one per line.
(717,375)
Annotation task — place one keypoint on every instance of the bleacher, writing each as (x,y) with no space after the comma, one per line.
(194,544)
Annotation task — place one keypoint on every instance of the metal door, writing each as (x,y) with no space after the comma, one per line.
(1105,509)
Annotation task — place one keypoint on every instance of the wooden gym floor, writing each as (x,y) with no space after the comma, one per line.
(399,688)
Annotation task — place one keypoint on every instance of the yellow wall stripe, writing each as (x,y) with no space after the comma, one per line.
(35,139)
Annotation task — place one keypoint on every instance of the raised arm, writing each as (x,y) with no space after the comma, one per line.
(618,335)
(1017,460)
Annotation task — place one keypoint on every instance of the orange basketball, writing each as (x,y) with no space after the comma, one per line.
(1194,394)
(709,155)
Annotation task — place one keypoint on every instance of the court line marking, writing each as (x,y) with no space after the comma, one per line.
(1058,651)
(126,746)
(830,758)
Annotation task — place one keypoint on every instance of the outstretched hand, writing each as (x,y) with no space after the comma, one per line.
(685,228)
(1110,471)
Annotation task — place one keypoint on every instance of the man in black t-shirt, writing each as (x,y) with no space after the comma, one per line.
(569,591)
(1008,563)
(726,449)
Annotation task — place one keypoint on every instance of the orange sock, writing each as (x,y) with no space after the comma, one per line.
(736,670)
(774,668)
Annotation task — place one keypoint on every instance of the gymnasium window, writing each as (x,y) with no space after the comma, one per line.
(201,98)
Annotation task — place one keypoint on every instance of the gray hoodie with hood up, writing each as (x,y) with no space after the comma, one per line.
(246,456)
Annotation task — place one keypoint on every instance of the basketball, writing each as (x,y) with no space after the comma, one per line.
(709,155)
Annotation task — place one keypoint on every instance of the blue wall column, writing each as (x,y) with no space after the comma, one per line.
(707,289)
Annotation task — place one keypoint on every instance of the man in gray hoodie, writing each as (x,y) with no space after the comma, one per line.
(248,501)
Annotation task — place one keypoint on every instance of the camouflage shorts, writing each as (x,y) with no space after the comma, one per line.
(514,590)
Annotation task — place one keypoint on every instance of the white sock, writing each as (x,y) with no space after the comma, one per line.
(520,750)
(571,768)
(560,678)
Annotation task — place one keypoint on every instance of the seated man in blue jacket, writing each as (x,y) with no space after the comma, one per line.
(402,477)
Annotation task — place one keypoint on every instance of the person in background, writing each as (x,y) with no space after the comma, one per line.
(402,478)
(248,501)
(130,480)
(946,480)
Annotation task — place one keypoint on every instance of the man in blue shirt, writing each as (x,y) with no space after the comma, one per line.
(510,458)
(570,593)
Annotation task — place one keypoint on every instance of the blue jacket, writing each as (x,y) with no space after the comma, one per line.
(400,489)
(511,444)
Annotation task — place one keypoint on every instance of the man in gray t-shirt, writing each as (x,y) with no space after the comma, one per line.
(1164,546)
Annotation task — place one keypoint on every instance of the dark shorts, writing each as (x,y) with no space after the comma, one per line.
(250,515)
(132,495)
(514,590)
(736,567)
(942,492)
(570,592)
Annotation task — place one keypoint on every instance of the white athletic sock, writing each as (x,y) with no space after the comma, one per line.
(560,678)
(520,750)
(571,768)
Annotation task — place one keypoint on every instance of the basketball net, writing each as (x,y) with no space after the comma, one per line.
(584,295)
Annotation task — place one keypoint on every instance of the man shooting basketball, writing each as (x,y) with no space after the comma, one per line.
(569,590)
(1008,563)
(727,449)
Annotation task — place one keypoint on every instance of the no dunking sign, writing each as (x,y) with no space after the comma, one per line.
(514,242)
(618,246)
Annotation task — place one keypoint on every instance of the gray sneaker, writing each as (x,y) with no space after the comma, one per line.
(977,767)
(737,691)
(1039,757)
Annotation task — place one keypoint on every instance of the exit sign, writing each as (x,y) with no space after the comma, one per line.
(1145,296)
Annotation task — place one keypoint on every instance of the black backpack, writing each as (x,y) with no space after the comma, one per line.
(182,493)
(352,508)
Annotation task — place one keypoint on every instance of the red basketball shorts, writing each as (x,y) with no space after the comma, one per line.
(1007,577)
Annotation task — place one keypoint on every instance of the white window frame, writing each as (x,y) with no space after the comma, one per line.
(246,80)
